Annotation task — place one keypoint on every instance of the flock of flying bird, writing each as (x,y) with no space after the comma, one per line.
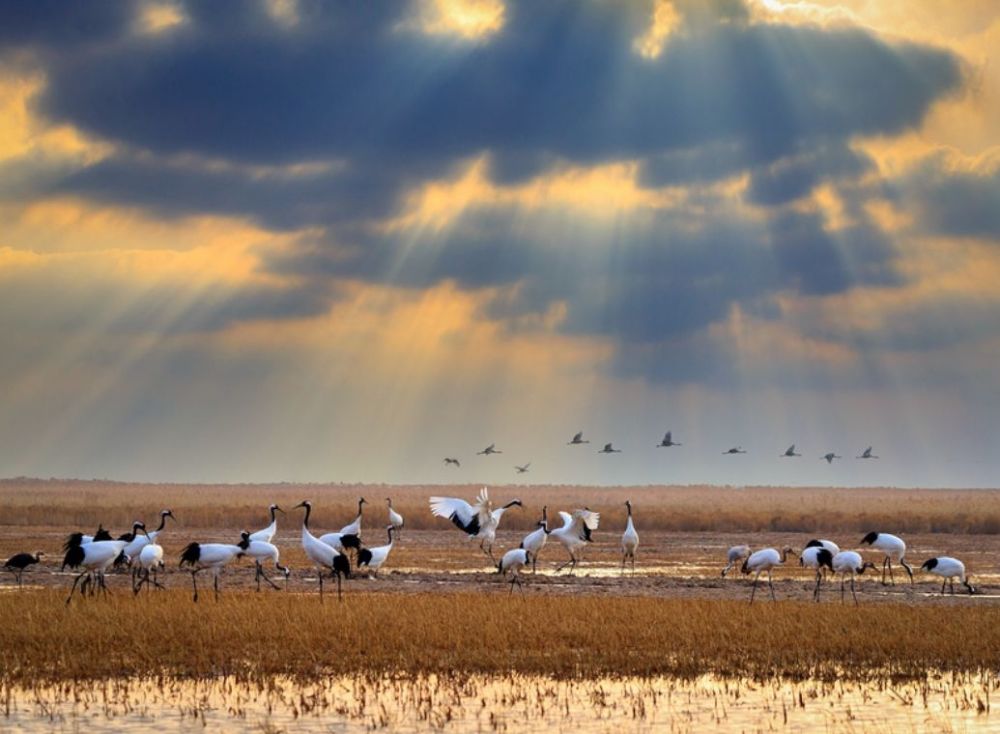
(665,443)
(332,553)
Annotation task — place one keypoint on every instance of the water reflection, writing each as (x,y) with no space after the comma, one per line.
(512,703)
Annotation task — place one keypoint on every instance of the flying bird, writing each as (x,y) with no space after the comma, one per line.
(830,457)
(609,449)
(790,451)
(577,439)
(867,454)
(734,450)
(522,469)
(667,442)
(488,450)
(452,462)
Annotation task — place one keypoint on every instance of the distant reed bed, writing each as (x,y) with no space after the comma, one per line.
(84,504)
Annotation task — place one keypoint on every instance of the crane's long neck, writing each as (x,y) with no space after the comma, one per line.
(361,504)
(274,516)
(389,530)
(163,522)
(784,555)
(305,520)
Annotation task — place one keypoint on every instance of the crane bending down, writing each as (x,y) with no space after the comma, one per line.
(948,569)
(373,558)
(512,562)
(765,560)
(894,549)
(260,551)
(735,555)
(575,533)
(849,563)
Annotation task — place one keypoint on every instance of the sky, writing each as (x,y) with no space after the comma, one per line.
(291,240)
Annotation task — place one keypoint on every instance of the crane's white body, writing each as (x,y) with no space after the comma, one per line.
(261,551)
(828,544)
(96,558)
(849,563)
(948,569)
(209,557)
(140,541)
(334,540)
(267,534)
(324,556)
(534,541)
(575,533)
(894,549)
(630,540)
(763,561)
(735,555)
(149,562)
(395,519)
(373,558)
(512,562)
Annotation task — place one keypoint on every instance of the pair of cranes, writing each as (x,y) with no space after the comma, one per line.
(822,555)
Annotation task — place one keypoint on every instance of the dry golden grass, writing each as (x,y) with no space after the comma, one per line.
(70,504)
(254,636)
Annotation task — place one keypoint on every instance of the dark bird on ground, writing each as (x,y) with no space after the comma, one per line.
(17,563)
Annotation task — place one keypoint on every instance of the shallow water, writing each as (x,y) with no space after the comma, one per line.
(510,703)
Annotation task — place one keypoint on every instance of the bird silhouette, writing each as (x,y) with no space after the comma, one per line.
(867,454)
(830,457)
(609,449)
(577,439)
(454,462)
(734,450)
(523,469)
(667,442)
(790,451)
(488,450)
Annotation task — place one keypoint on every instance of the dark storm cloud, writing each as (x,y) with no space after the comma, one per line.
(560,84)
(955,202)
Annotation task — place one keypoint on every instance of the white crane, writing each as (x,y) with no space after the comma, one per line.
(867,454)
(150,561)
(790,452)
(20,561)
(735,554)
(354,527)
(395,519)
(373,558)
(512,562)
(476,521)
(822,543)
(326,557)
(577,440)
(101,534)
(849,563)
(948,569)
(491,449)
(348,536)
(894,549)
(211,557)
(668,441)
(609,449)
(134,548)
(260,551)
(132,543)
(95,558)
(534,541)
(575,533)
(830,457)
(267,534)
(817,558)
(765,560)
(630,540)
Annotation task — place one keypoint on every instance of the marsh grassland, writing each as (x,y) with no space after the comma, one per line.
(437,643)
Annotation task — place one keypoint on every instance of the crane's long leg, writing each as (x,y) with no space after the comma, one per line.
(770,585)
(572,559)
(884,561)
(843,580)
(952,587)
(726,569)
(891,577)
(854,593)
(156,581)
(340,595)
(753,589)
(633,565)
(819,578)
(624,558)
(19,574)
(75,582)
(215,584)
(260,570)
(320,574)
(194,583)
(103,586)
